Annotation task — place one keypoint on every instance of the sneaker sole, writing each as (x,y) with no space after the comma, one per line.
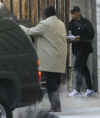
(74,95)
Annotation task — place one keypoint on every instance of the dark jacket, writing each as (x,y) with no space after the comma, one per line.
(84,29)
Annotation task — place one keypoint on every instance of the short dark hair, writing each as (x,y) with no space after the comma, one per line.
(75,9)
(49,11)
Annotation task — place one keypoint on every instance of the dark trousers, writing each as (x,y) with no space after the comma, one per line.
(81,69)
(53,82)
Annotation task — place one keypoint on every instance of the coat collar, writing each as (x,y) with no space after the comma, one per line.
(49,19)
(52,18)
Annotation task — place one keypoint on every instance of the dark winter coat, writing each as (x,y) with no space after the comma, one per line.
(84,29)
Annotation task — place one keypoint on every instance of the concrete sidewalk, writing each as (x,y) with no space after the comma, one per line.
(72,107)
(79,116)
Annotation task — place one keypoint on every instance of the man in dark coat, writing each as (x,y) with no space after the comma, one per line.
(81,27)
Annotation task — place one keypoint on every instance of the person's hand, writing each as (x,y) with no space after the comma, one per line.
(77,38)
(71,37)
(25,29)
(74,39)
(21,26)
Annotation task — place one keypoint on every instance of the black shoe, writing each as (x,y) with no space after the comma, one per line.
(55,110)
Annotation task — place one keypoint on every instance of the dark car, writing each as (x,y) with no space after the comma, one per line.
(18,69)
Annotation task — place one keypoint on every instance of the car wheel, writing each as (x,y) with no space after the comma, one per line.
(4,112)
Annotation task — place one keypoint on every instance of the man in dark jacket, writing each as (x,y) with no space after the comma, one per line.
(81,49)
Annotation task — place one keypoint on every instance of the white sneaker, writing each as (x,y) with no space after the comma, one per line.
(74,93)
(89,92)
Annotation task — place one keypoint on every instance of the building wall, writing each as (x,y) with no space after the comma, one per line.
(98,39)
(32,9)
